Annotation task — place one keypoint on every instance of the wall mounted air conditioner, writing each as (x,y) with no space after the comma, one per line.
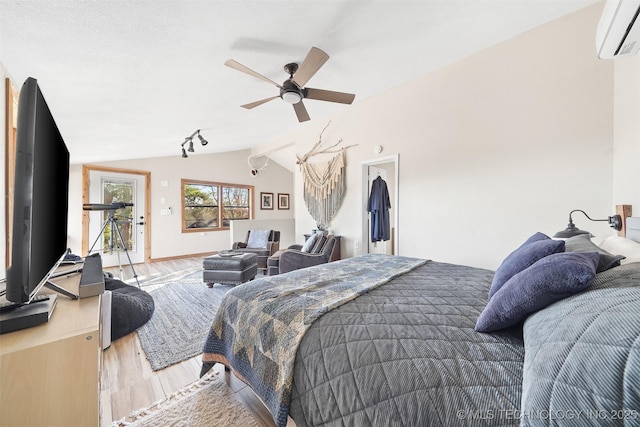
(618,32)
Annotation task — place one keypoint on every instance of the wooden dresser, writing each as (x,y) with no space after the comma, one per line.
(50,373)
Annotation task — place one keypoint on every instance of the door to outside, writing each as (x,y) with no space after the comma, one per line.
(118,234)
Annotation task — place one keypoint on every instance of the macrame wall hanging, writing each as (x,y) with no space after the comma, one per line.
(324,182)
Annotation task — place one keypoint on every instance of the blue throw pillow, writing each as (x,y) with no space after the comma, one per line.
(550,279)
(533,249)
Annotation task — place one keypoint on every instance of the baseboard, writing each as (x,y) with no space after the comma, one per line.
(173,258)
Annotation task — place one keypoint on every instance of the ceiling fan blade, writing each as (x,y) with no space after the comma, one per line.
(256,103)
(329,95)
(238,66)
(311,64)
(301,112)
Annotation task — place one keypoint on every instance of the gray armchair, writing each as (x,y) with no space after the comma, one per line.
(264,248)
(294,259)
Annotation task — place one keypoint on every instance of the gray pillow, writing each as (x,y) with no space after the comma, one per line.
(534,248)
(309,243)
(258,239)
(583,243)
(550,279)
(582,355)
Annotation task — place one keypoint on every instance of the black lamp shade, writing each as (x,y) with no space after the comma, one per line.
(571,231)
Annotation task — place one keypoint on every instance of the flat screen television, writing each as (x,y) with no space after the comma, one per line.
(40,202)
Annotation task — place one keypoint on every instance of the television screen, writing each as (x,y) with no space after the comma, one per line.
(40,204)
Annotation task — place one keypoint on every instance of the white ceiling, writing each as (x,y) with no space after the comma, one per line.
(132,79)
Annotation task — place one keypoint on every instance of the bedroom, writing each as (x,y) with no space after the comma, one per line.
(549,129)
(538,124)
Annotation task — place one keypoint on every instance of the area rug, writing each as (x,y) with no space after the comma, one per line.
(206,402)
(184,311)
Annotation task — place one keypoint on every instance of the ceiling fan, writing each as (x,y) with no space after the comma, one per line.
(292,91)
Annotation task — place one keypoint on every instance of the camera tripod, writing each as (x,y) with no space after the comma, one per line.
(114,235)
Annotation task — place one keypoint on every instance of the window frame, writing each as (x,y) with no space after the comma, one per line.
(220,185)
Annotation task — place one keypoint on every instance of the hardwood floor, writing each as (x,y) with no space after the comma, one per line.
(128,383)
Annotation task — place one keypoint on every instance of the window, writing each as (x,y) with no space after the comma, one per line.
(211,205)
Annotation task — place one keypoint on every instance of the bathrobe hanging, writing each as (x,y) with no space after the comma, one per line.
(379,206)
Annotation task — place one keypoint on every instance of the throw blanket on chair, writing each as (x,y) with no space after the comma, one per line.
(260,324)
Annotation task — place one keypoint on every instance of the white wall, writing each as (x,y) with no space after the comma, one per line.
(626,160)
(167,239)
(492,148)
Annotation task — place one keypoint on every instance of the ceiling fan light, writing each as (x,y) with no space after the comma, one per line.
(291,97)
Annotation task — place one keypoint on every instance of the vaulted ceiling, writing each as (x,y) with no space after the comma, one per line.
(132,79)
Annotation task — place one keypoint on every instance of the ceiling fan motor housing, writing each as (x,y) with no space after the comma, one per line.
(291,92)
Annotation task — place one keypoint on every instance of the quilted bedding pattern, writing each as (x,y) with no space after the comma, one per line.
(582,363)
(406,354)
(260,324)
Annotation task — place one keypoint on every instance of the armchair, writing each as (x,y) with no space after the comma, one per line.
(263,243)
(294,259)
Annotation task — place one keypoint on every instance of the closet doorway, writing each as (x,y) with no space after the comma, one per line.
(387,169)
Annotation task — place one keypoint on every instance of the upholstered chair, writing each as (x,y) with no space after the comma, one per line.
(263,243)
(294,259)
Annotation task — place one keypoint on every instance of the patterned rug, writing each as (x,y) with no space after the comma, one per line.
(206,402)
(184,311)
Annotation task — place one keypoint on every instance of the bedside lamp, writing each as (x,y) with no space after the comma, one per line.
(615,222)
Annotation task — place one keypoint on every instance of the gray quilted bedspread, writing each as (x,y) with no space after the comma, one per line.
(406,354)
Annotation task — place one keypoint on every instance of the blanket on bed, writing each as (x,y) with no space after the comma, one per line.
(406,354)
(260,324)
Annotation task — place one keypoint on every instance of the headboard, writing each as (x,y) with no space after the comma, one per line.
(630,225)
(633,229)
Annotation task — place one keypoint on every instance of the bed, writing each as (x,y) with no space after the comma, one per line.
(385,340)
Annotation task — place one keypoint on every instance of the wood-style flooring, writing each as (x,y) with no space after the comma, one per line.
(128,383)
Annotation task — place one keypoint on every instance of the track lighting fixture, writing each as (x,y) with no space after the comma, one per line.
(189,140)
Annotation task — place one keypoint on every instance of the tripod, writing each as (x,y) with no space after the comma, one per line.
(114,235)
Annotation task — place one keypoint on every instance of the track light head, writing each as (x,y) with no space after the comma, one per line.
(190,149)
(202,140)
(184,153)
